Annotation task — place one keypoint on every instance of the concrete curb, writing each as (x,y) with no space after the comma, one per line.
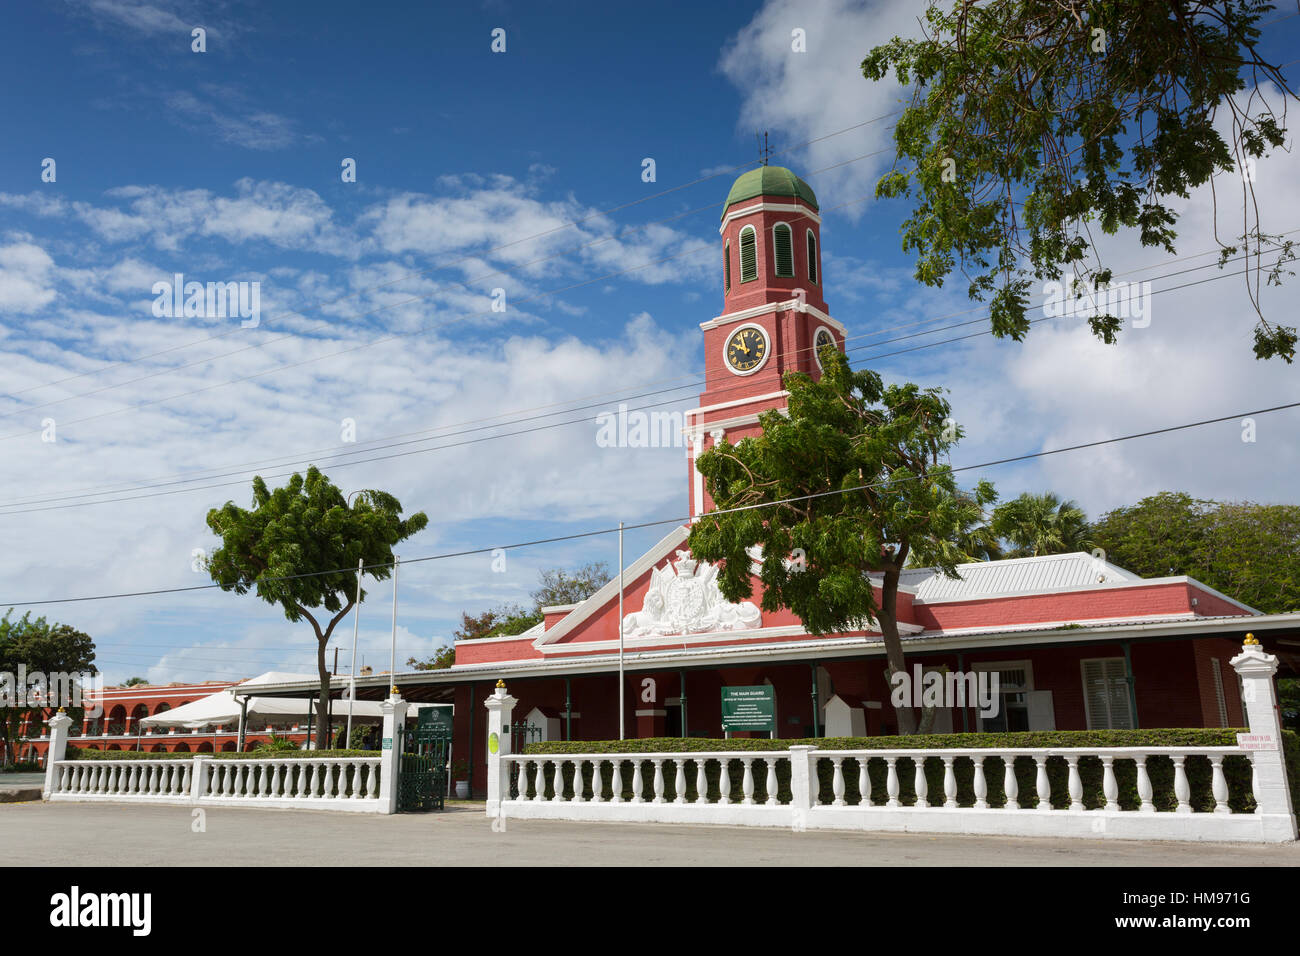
(20,794)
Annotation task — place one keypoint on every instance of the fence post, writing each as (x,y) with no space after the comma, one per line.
(198,778)
(391,756)
(58,749)
(803,784)
(1272,793)
(500,706)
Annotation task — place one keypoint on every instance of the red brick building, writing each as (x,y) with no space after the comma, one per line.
(1077,642)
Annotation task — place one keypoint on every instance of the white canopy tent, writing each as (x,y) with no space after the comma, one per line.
(222,708)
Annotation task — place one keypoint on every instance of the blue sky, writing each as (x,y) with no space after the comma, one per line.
(376,295)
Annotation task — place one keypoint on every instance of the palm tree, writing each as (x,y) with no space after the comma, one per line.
(1042,524)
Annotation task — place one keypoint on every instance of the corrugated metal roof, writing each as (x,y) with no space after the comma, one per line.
(1015,575)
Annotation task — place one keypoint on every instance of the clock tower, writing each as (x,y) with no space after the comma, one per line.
(774,318)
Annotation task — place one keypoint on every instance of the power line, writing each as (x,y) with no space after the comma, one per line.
(675,520)
(151,491)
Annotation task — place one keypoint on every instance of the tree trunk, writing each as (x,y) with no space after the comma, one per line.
(323,703)
(888,618)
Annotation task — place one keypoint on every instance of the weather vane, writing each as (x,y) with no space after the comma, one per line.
(764,151)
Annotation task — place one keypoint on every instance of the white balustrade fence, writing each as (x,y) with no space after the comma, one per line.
(1035,791)
(890,790)
(343,783)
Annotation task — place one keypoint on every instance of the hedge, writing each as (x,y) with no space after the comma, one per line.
(77,753)
(1160,769)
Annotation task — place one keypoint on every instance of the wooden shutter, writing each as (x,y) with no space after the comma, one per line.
(748,255)
(726,265)
(812,257)
(1105,692)
(783,249)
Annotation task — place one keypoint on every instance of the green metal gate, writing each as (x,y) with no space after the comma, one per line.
(422,777)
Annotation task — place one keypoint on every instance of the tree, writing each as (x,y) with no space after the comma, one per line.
(557,587)
(1033,121)
(299,547)
(134,682)
(1041,524)
(874,457)
(38,646)
(1248,551)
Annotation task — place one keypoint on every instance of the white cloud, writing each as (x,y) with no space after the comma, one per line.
(25,277)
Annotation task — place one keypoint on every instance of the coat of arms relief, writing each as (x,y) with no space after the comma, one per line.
(684,599)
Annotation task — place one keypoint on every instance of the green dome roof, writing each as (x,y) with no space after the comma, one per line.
(769,181)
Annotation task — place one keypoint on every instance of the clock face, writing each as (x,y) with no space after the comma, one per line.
(822,339)
(746,349)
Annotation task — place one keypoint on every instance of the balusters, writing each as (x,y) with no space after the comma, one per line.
(372,778)
(1181,788)
(748,782)
(521,779)
(539,781)
(1219,786)
(616,784)
(949,783)
(679,782)
(1075,784)
(1109,786)
(771,782)
(864,783)
(578,783)
(837,781)
(981,785)
(920,783)
(724,780)
(891,782)
(659,781)
(1042,786)
(701,782)
(638,785)
(597,781)
(1144,785)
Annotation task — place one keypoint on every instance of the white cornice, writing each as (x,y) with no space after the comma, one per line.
(734,402)
(786,305)
(804,211)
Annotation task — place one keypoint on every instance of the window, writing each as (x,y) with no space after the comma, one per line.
(1105,694)
(783,250)
(748,255)
(1015,683)
(812,257)
(726,266)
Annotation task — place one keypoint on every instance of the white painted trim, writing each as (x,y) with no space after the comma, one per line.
(768,349)
(805,211)
(709,637)
(785,305)
(738,401)
(557,608)
(705,428)
(609,592)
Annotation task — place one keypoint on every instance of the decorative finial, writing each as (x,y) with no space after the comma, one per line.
(394,690)
(1250,640)
(501,683)
(764,151)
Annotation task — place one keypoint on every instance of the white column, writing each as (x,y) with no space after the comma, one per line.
(1272,795)
(499,706)
(803,779)
(394,724)
(59,725)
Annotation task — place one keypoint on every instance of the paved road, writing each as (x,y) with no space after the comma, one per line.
(117,834)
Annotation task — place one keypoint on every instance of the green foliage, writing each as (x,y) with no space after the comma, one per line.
(134,682)
(299,546)
(1041,524)
(1032,125)
(277,744)
(1160,769)
(80,753)
(1248,551)
(850,484)
(559,587)
(38,645)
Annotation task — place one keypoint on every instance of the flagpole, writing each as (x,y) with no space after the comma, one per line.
(392,659)
(622,708)
(356,621)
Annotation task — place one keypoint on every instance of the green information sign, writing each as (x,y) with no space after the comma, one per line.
(749,708)
(388,743)
(433,722)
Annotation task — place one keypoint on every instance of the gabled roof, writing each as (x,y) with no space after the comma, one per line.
(982,579)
